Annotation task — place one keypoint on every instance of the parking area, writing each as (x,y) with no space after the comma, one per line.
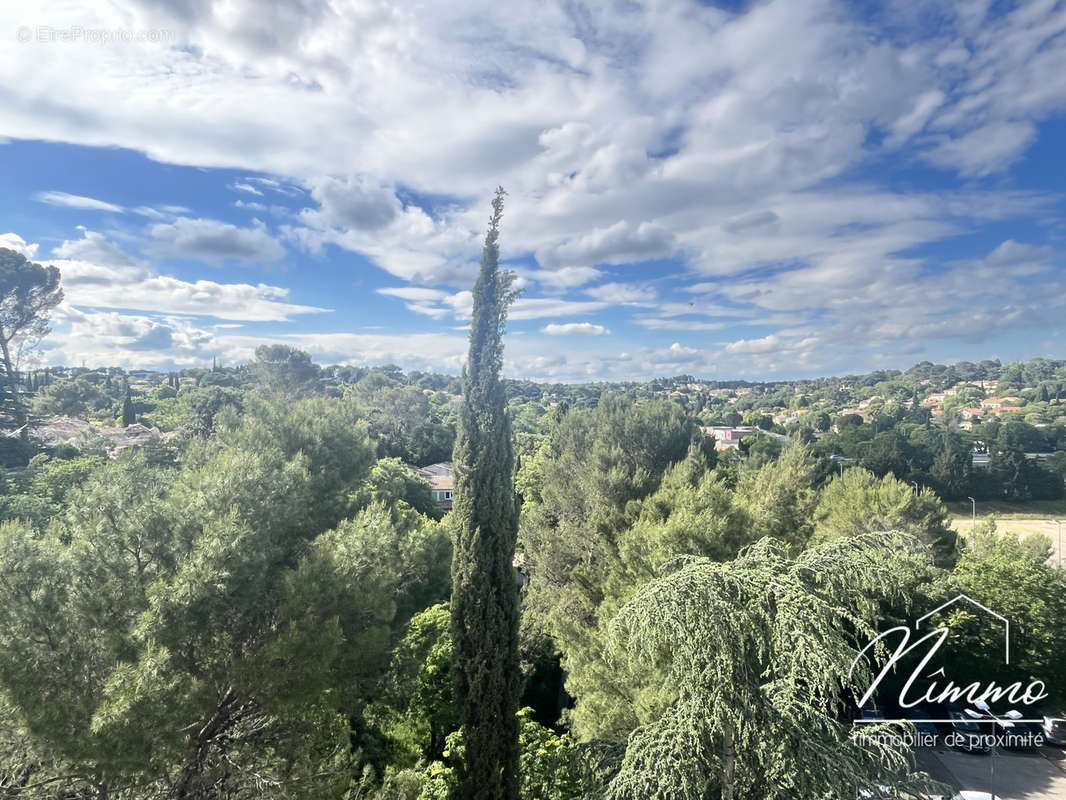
(1038,775)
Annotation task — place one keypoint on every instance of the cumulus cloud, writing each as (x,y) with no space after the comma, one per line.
(131,340)
(617,244)
(93,247)
(984,150)
(96,286)
(540,307)
(213,241)
(351,203)
(1012,254)
(12,241)
(740,162)
(96,274)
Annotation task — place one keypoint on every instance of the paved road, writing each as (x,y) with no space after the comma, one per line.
(1018,776)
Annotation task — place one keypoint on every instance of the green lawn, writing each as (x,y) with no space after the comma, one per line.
(1034,509)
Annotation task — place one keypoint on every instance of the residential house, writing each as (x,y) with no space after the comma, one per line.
(999,402)
(727,437)
(441,478)
(1006,409)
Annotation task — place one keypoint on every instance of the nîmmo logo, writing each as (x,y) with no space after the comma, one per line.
(967,598)
(974,693)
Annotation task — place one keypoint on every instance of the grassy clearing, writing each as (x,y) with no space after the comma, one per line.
(1033,509)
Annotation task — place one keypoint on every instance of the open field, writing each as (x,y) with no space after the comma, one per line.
(1034,509)
(1022,528)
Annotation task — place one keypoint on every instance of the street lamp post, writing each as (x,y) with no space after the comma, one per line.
(973,528)
(981,704)
(915,484)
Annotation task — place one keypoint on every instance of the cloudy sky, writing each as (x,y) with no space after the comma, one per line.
(740,189)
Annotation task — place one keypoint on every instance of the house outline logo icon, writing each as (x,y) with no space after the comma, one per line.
(972,691)
(1000,617)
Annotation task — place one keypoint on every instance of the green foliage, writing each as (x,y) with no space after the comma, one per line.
(284,369)
(859,502)
(70,398)
(200,406)
(952,467)
(407,422)
(28,293)
(756,653)
(389,482)
(192,627)
(418,710)
(257,610)
(550,766)
(129,416)
(1016,580)
(40,492)
(485,516)
(779,496)
(589,478)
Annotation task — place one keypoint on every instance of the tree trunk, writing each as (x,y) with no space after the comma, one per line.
(9,378)
(729,763)
(8,369)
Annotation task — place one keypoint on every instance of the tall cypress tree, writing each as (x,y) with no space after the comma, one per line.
(484,603)
(128,415)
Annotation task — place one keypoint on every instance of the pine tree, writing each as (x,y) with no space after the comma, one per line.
(484,591)
(757,653)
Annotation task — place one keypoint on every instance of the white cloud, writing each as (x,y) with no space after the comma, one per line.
(116,281)
(618,244)
(245,187)
(984,150)
(353,203)
(767,344)
(93,247)
(213,241)
(613,150)
(916,119)
(659,324)
(564,278)
(133,288)
(12,241)
(131,340)
(415,293)
(540,307)
(160,212)
(622,293)
(77,201)
(575,328)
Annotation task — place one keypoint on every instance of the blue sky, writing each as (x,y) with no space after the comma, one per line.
(757,190)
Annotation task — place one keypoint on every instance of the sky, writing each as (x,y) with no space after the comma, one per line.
(759,190)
